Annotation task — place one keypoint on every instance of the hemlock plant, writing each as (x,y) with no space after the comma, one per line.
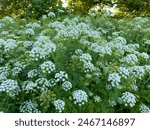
(75,64)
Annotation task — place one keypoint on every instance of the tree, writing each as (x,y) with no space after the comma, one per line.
(27,8)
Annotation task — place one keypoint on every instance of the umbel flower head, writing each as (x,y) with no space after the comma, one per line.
(59,105)
(80,97)
(10,87)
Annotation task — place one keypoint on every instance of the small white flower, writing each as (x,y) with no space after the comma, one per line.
(134,87)
(28,86)
(29,107)
(18,67)
(61,76)
(4,72)
(48,67)
(42,84)
(59,105)
(114,78)
(32,73)
(137,71)
(9,45)
(128,99)
(124,72)
(67,85)
(10,87)
(97,98)
(44,17)
(85,57)
(51,14)
(143,55)
(88,67)
(112,103)
(131,59)
(79,97)
(30,31)
(78,52)
(144,108)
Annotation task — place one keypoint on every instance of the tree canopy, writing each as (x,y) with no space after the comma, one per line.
(36,8)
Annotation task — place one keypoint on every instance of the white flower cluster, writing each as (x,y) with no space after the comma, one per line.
(147,42)
(18,67)
(29,107)
(130,59)
(32,73)
(78,52)
(1,25)
(67,85)
(144,108)
(85,57)
(5,33)
(27,44)
(42,84)
(10,87)
(147,68)
(33,25)
(61,76)
(9,45)
(80,97)
(43,48)
(128,99)
(97,98)
(73,28)
(8,19)
(59,105)
(134,87)
(112,103)
(143,55)
(44,17)
(93,14)
(131,48)
(97,73)
(28,86)
(124,72)
(102,50)
(30,31)
(88,67)
(4,71)
(51,14)
(114,78)
(137,71)
(48,67)
(121,40)
(2,42)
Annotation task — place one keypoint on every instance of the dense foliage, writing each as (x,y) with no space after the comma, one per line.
(75,64)
(27,8)
(37,8)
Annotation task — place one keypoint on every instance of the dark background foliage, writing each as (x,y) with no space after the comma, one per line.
(36,8)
